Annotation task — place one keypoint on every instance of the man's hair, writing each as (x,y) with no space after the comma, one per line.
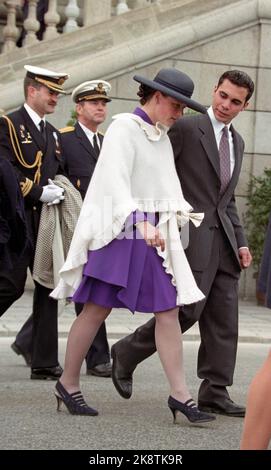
(30,82)
(238,78)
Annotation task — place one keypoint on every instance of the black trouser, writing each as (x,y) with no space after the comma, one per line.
(42,340)
(217,315)
(12,281)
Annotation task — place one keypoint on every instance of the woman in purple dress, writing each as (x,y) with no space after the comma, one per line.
(126,250)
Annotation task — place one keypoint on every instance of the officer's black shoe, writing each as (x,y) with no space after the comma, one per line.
(27,356)
(101,370)
(44,373)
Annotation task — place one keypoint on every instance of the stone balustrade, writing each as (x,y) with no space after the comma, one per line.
(23,23)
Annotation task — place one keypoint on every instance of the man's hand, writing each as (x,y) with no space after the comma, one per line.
(151,235)
(245,257)
(51,193)
(56,201)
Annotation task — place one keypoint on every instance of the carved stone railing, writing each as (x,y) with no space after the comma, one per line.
(23,23)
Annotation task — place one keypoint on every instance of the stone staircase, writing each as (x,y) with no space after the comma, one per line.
(121,44)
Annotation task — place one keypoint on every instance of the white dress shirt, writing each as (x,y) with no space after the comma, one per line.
(90,134)
(34,116)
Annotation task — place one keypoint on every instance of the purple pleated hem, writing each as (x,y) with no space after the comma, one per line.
(127,273)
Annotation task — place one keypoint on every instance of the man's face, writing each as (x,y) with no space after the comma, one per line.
(91,113)
(42,100)
(228,101)
(169,109)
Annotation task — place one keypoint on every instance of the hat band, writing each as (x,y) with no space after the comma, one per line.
(49,84)
(88,94)
(94,96)
(56,80)
(173,87)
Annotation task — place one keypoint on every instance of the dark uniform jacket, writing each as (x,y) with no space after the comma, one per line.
(13,232)
(31,147)
(34,159)
(80,157)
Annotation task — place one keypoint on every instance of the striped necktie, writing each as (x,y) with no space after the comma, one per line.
(224,157)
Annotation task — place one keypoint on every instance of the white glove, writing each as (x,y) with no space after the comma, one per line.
(56,201)
(51,192)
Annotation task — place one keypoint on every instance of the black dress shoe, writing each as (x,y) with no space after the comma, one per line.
(122,379)
(20,352)
(101,370)
(44,373)
(226,407)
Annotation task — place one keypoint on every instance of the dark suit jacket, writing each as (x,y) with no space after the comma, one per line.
(264,278)
(79,156)
(197,164)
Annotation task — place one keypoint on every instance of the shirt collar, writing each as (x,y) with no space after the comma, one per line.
(34,116)
(217,125)
(87,131)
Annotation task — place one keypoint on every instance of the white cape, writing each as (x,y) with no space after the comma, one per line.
(135,170)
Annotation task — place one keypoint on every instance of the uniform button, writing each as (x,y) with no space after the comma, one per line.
(34,208)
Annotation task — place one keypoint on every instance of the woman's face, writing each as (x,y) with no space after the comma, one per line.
(168,109)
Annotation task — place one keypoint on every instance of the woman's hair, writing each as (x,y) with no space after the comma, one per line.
(145,93)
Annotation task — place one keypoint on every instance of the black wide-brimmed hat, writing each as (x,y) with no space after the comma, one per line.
(173,83)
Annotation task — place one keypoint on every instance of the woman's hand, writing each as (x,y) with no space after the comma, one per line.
(151,235)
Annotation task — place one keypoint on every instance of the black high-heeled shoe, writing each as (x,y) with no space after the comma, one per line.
(74,402)
(190,410)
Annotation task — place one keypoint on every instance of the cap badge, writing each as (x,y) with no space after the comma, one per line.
(100,88)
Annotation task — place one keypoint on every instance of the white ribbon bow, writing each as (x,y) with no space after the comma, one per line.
(195,217)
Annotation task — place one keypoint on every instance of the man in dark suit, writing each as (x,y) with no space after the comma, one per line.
(208,166)
(13,231)
(32,145)
(81,147)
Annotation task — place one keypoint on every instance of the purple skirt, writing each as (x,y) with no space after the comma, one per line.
(127,273)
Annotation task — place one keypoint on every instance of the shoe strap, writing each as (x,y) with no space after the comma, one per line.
(79,399)
(192,403)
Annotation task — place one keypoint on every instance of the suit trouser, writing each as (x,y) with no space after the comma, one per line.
(98,352)
(43,339)
(12,282)
(217,315)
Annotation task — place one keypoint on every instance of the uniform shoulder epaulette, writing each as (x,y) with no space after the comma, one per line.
(63,130)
